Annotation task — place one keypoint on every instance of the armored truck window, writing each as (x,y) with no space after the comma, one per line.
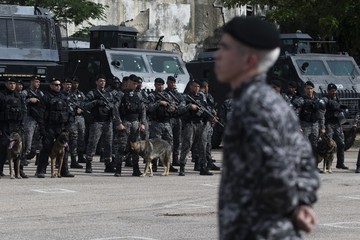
(311,67)
(128,63)
(165,64)
(342,68)
(18,33)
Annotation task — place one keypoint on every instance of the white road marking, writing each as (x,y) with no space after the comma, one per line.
(128,237)
(209,185)
(342,225)
(357,197)
(54,190)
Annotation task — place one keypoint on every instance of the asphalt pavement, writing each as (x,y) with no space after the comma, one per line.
(99,206)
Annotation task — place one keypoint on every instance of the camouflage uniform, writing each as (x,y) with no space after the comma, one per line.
(57,115)
(176,126)
(103,114)
(311,119)
(194,134)
(12,110)
(132,113)
(77,129)
(32,117)
(333,127)
(268,167)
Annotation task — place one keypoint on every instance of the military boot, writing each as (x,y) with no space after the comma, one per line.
(182,170)
(65,167)
(118,170)
(22,174)
(88,168)
(81,158)
(196,166)
(205,171)
(154,165)
(357,169)
(175,161)
(136,170)
(74,163)
(109,168)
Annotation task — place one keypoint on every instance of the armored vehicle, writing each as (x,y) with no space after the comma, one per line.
(113,53)
(28,44)
(299,64)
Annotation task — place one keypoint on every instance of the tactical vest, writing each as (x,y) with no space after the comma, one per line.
(333,110)
(196,116)
(162,113)
(58,110)
(308,112)
(13,108)
(131,103)
(33,109)
(103,112)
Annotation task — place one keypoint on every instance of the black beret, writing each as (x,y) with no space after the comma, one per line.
(76,79)
(35,77)
(67,80)
(310,83)
(171,78)
(100,76)
(195,81)
(293,84)
(11,79)
(20,81)
(135,78)
(331,86)
(253,32)
(55,79)
(125,79)
(276,83)
(159,80)
(116,80)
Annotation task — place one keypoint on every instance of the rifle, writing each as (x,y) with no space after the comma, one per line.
(204,109)
(174,97)
(171,105)
(33,93)
(71,101)
(107,102)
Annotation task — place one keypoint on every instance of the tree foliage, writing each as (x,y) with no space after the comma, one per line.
(69,11)
(323,20)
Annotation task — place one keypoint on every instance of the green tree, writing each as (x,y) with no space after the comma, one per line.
(323,20)
(69,11)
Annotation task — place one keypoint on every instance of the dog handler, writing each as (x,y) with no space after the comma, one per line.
(269,179)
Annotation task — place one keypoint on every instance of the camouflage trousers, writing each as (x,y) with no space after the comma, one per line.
(104,131)
(176,132)
(335,131)
(193,134)
(29,132)
(77,136)
(161,130)
(123,138)
(311,132)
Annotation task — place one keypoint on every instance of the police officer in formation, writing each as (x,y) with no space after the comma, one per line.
(334,115)
(160,109)
(311,115)
(102,106)
(77,128)
(194,122)
(12,111)
(33,99)
(56,116)
(130,124)
(175,118)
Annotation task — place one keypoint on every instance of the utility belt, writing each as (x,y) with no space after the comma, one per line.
(131,117)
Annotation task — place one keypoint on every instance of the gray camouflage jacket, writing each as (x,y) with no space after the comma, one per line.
(268,167)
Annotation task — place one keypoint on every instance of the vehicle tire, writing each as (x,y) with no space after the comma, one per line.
(216,138)
(349,138)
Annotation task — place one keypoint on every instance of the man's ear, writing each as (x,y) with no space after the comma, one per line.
(252,60)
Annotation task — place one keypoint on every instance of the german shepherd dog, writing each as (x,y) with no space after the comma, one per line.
(325,151)
(152,149)
(13,154)
(58,151)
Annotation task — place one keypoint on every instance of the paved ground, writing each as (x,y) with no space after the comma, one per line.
(99,206)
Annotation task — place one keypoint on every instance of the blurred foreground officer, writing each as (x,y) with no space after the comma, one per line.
(11,117)
(269,179)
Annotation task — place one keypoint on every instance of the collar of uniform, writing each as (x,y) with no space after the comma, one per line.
(257,78)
